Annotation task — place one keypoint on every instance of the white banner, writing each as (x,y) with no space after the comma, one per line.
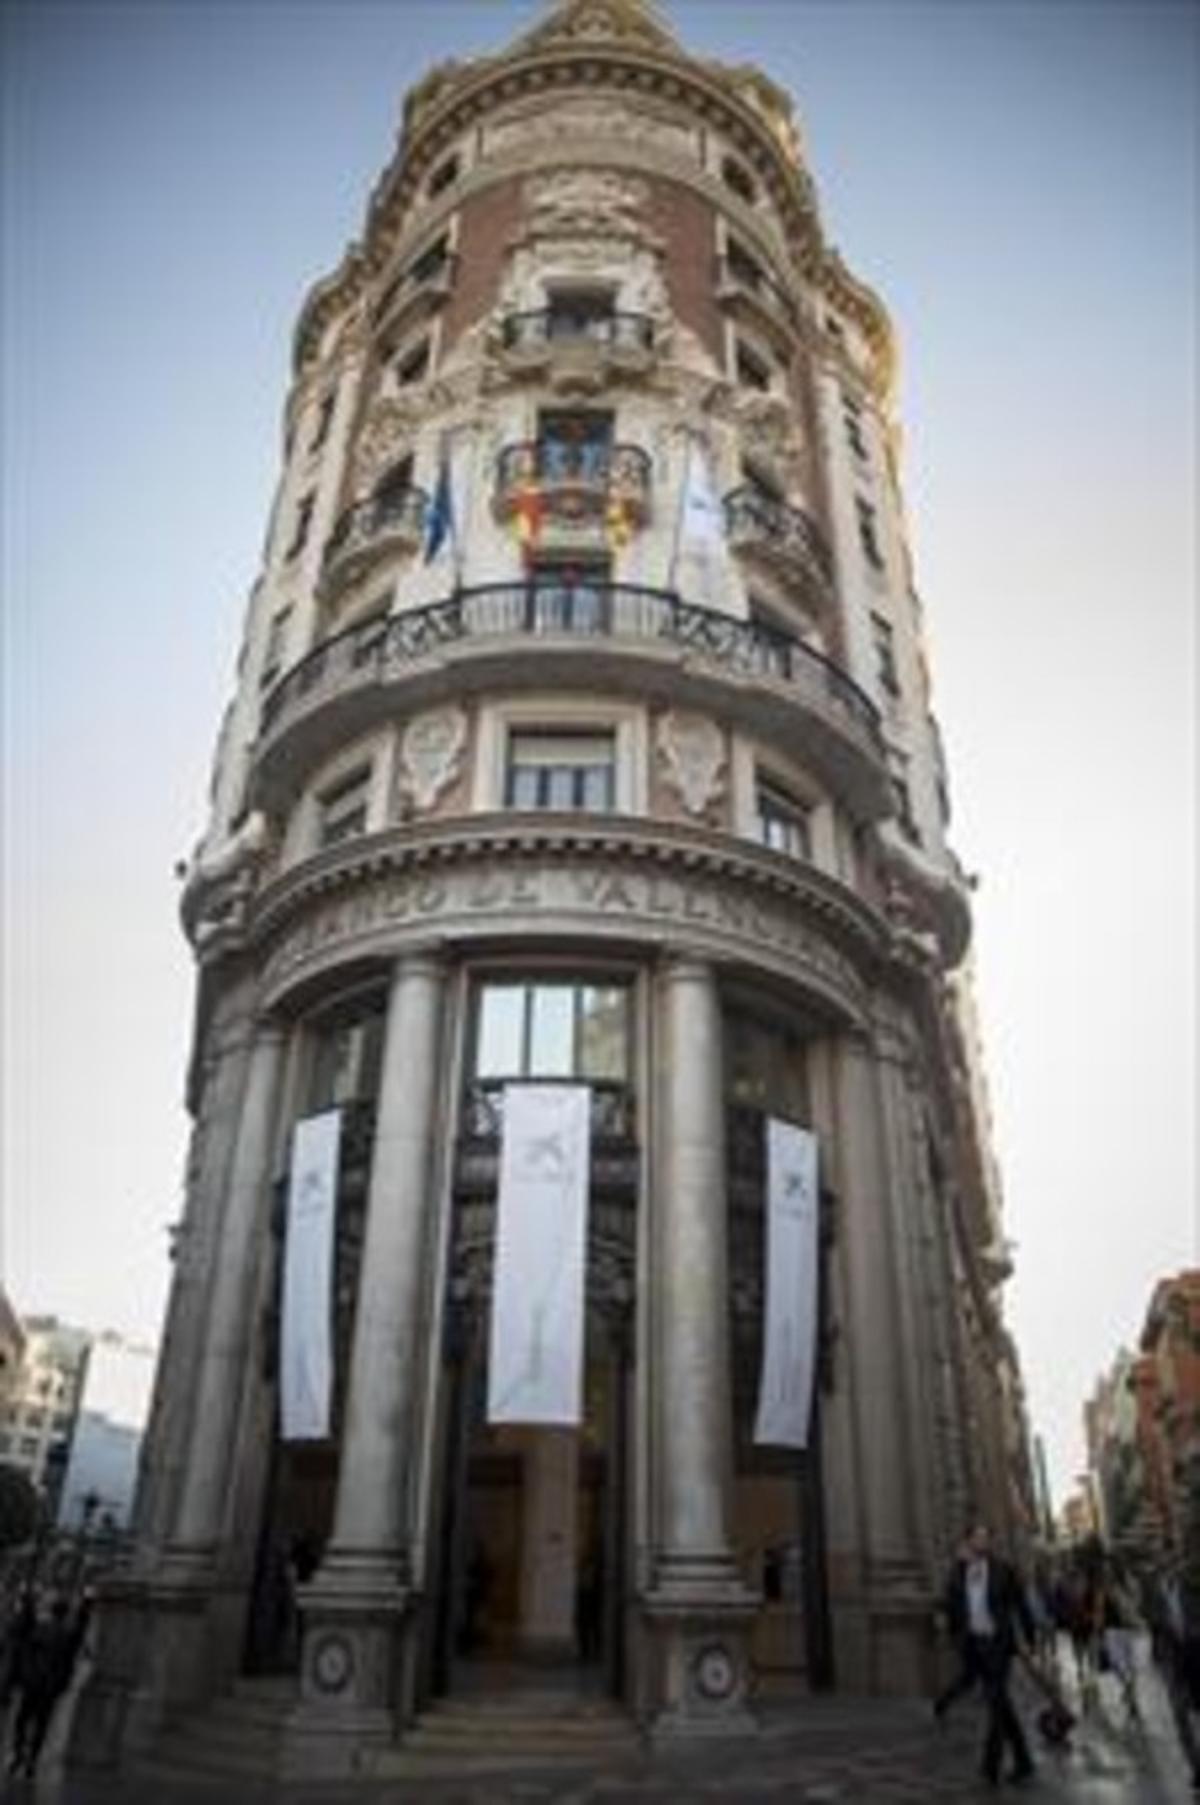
(790,1330)
(306,1330)
(535,1358)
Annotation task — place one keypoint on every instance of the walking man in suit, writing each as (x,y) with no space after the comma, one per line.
(985,1605)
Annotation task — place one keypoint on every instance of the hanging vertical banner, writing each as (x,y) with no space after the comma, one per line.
(306,1329)
(790,1330)
(535,1357)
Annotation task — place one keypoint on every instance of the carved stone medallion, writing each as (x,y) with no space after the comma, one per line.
(693,749)
(431,754)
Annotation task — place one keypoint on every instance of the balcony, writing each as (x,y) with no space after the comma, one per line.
(762,526)
(421,288)
(576,487)
(591,635)
(389,521)
(580,351)
(743,282)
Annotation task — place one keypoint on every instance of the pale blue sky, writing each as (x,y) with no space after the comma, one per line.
(1019,181)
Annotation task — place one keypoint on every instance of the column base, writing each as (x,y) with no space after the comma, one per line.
(699,1615)
(109,1721)
(353,1614)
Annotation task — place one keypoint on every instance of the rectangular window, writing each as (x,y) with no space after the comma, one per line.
(783,821)
(752,371)
(868,533)
(550,770)
(580,313)
(347,1061)
(742,266)
(574,447)
(852,420)
(571,595)
(324,420)
(443,176)
(885,654)
(414,365)
(904,814)
(304,513)
(343,808)
(431,262)
(552,1030)
(273,652)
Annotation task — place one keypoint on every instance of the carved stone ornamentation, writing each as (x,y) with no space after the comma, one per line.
(586,203)
(387,430)
(431,750)
(693,749)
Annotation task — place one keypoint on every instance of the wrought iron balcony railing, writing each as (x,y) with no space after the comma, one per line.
(755,519)
(576,481)
(547,326)
(428,281)
(738,276)
(393,518)
(616,613)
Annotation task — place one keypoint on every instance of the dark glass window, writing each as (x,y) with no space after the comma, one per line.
(561,770)
(752,371)
(414,365)
(738,181)
(579,313)
(347,1057)
(868,532)
(765,1066)
(324,419)
(304,514)
(885,653)
(343,808)
(442,177)
(574,446)
(742,266)
(431,262)
(552,1030)
(783,821)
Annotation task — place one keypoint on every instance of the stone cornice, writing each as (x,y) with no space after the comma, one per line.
(617,879)
(711,93)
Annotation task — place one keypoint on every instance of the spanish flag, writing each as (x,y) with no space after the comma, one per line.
(527,518)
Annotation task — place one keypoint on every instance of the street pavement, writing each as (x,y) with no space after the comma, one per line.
(826,1752)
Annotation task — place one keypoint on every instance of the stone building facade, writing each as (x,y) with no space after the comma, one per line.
(597,792)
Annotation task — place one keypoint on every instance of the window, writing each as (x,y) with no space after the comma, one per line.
(742,266)
(343,808)
(324,420)
(414,365)
(443,176)
(273,651)
(552,1030)
(29,1444)
(885,653)
(34,1419)
(580,313)
(348,1058)
(431,262)
(852,420)
(868,533)
(783,821)
(391,492)
(304,514)
(738,181)
(574,446)
(765,1067)
(752,371)
(553,770)
(834,328)
(904,814)
(571,596)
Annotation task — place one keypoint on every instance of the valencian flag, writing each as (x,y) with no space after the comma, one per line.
(617,522)
(439,522)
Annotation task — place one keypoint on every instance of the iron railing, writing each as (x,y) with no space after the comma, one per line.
(552,325)
(612,1104)
(737,272)
(750,513)
(400,511)
(619,613)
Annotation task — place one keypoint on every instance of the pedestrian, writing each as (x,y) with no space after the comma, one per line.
(45,1664)
(985,1603)
(1117,1620)
(968,1675)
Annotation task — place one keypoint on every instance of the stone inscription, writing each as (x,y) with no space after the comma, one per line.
(454,899)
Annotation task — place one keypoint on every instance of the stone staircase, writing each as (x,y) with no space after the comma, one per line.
(238,1739)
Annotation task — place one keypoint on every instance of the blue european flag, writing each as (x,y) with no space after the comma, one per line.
(439,524)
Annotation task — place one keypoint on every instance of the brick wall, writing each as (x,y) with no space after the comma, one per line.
(488,223)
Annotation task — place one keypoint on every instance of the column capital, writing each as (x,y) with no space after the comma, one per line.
(688,968)
(423,962)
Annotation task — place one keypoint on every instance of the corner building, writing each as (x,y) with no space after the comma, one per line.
(609,788)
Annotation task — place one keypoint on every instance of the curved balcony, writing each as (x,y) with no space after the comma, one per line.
(390,521)
(576,485)
(742,281)
(582,351)
(595,636)
(784,536)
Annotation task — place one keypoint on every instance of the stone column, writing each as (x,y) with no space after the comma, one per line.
(698,1599)
(181,1657)
(354,1606)
(878,1350)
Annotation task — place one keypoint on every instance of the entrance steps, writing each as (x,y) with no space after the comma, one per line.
(528,1728)
(238,1738)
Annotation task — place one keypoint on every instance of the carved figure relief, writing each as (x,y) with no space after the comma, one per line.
(567,123)
(431,751)
(590,203)
(693,750)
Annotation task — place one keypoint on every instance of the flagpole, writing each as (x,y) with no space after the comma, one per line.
(673,567)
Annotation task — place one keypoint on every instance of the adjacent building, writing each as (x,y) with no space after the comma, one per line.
(582,735)
(102,1463)
(37,1420)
